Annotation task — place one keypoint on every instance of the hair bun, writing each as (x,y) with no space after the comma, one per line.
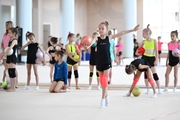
(127,66)
(27,33)
(106,22)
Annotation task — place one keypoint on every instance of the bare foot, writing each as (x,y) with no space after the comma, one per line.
(10,90)
(78,88)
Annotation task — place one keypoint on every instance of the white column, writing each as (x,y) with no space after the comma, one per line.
(37,23)
(130,20)
(67,18)
(24,17)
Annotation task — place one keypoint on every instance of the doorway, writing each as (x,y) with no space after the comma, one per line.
(46,34)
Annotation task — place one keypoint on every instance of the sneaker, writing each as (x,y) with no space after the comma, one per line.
(37,88)
(128,94)
(99,88)
(102,103)
(16,87)
(165,90)
(90,87)
(154,96)
(107,101)
(147,92)
(26,88)
(67,90)
(159,91)
(174,90)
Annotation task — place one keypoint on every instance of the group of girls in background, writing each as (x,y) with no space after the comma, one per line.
(103,52)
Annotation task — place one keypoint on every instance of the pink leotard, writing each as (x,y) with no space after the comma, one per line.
(172,46)
(119,47)
(5,40)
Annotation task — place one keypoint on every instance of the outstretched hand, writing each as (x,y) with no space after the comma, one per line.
(136,27)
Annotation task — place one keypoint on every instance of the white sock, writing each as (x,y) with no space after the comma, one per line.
(102,103)
(107,101)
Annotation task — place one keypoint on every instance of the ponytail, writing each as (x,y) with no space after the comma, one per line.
(147,29)
(28,34)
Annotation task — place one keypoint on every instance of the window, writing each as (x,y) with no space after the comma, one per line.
(163,16)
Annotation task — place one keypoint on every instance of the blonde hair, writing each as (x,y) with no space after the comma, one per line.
(147,30)
(10,24)
(95,33)
(106,24)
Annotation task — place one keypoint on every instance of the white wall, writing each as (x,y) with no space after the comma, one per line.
(81,17)
(51,15)
(5,15)
(37,22)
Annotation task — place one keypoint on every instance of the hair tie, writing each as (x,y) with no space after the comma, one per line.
(27,33)
(69,33)
(127,66)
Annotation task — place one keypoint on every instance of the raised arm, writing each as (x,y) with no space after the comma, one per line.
(124,32)
(22,48)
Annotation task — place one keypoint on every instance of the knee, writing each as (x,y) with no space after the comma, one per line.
(36,74)
(91,74)
(97,74)
(175,77)
(155,76)
(166,75)
(76,73)
(12,72)
(69,74)
(29,73)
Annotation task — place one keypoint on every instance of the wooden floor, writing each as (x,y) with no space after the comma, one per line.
(84,104)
